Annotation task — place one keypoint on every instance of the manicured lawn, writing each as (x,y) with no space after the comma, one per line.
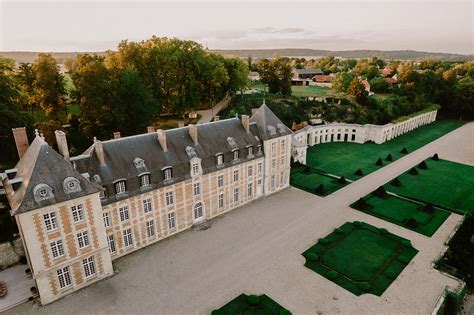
(310,181)
(446,184)
(305,91)
(411,215)
(360,257)
(345,158)
(251,304)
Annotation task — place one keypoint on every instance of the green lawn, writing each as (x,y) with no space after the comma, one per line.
(360,257)
(399,211)
(446,184)
(251,305)
(310,181)
(344,158)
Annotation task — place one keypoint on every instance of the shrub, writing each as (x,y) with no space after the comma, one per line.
(359,172)
(411,223)
(423,165)
(253,299)
(332,275)
(383,230)
(435,157)
(413,171)
(339,231)
(428,208)
(341,180)
(312,256)
(380,192)
(404,259)
(379,162)
(365,286)
(361,204)
(404,151)
(390,274)
(406,243)
(357,223)
(389,157)
(320,190)
(396,182)
(323,241)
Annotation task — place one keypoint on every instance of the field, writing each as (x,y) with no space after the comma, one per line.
(310,181)
(411,215)
(444,183)
(345,158)
(369,271)
(251,305)
(311,90)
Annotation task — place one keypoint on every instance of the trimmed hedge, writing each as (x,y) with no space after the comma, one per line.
(404,259)
(312,256)
(389,157)
(413,171)
(365,286)
(332,275)
(404,151)
(423,165)
(253,299)
(359,172)
(379,162)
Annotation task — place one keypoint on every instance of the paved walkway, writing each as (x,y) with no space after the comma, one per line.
(208,114)
(257,249)
(18,286)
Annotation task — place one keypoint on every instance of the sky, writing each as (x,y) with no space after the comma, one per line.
(43,25)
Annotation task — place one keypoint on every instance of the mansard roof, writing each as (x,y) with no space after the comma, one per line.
(269,126)
(42,167)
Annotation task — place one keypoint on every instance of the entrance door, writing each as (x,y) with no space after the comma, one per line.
(198,212)
(259,187)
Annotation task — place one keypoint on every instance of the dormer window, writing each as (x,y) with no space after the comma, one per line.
(235,154)
(220,159)
(259,149)
(120,187)
(250,151)
(195,168)
(71,185)
(102,194)
(42,192)
(168,173)
(145,180)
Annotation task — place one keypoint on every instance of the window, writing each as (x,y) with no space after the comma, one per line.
(64,277)
(250,151)
(236,154)
(220,159)
(171,220)
(83,239)
(150,228)
(78,213)
(250,170)
(282,179)
(127,237)
(147,205)
(107,221)
(273,164)
(220,180)
(89,266)
(236,175)
(120,187)
(198,210)
(273,182)
(50,221)
(145,180)
(102,193)
(249,189)
(57,248)
(259,167)
(259,149)
(353,137)
(111,242)
(169,196)
(282,145)
(282,161)
(168,173)
(273,147)
(236,194)
(124,214)
(195,168)
(196,189)
(220,201)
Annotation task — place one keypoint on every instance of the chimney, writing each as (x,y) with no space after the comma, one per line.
(216,118)
(21,140)
(245,119)
(150,129)
(162,139)
(99,150)
(254,110)
(62,143)
(117,135)
(193,132)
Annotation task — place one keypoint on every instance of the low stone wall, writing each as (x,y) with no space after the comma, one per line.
(10,253)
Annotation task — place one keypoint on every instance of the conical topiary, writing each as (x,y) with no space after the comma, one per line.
(380,192)
(389,157)
(396,182)
(435,157)
(423,165)
(404,151)
(379,162)
(411,223)
(413,171)
(429,207)
(360,204)
(320,190)
(359,172)
(341,180)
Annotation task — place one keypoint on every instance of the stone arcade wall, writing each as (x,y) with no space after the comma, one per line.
(342,132)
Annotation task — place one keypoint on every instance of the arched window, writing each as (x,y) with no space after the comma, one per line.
(198,210)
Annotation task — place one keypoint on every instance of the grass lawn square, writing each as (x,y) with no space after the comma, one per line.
(310,181)
(360,258)
(444,183)
(345,158)
(252,305)
(411,215)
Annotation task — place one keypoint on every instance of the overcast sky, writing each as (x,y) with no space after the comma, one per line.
(442,26)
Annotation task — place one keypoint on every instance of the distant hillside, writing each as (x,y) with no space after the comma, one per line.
(30,56)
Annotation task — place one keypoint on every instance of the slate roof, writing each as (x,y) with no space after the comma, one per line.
(308,71)
(41,164)
(269,126)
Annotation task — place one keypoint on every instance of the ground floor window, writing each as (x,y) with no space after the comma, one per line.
(171,220)
(249,189)
(282,179)
(221,201)
(236,194)
(150,228)
(198,210)
(127,237)
(111,242)
(89,266)
(273,182)
(64,277)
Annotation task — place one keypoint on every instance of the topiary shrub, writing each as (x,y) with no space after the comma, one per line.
(357,223)
(396,182)
(390,274)
(423,165)
(365,286)
(359,172)
(380,192)
(341,180)
(404,151)
(331,275)
(320,190)
(361,204)
(435,157)
(406,243)
(323,241)
(339,231)
(379,162)
(411,223)
(312,256)
(413,171)
(404,259)
(383,230)
(428,208)
(253,299)
(389,158)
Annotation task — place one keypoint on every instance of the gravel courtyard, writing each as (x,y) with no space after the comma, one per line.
(257,249)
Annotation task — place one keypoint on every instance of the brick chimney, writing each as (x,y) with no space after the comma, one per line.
(21,140)
(62,144)
(99,150)
(245,119)
(193,132)
(117,135)
(254,110)
(162,139)
(150,129)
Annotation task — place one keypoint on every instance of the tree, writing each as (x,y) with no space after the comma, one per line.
(25,75)
(341,81)
(464,97)
(357,90)
(372,72)
(237,71)
(379,85)
(276,74)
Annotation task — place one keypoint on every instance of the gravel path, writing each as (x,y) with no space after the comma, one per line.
(257,249)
